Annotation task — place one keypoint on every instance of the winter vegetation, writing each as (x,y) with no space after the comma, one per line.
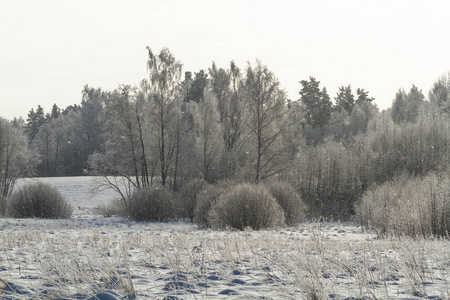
(416,207)
(224,152)
(94,257)
(235,125)
(38,200)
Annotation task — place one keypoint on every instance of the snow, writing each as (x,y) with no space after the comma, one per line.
(94,257)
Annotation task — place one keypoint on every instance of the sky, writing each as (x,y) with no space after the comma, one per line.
(49,50)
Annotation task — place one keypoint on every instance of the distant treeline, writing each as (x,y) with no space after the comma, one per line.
(235,124)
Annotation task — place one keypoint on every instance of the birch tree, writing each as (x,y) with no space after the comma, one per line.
(163,88)
(266,107)
(16,160)
(228,88)
(207,125)
(127,162)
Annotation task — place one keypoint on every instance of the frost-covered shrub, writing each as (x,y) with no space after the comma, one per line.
(413,206)
(2,205)
(151,204)
(289,200)
(206,199)
(38,200)
(246,206)
(187,198)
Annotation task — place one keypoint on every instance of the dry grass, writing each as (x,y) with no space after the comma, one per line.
(115,207)
(412,206)
(312,261)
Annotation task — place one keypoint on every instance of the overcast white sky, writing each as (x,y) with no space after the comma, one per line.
(50,49)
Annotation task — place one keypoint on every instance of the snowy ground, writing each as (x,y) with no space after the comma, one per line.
(110,258)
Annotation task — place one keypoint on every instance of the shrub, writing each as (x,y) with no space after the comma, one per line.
(332,177)
(206,199)
(2,205)
(151,204)
(187,198)
(289,200)
(245,206)
(38,200)
(413,206)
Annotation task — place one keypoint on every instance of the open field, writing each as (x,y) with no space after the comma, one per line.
(89,255)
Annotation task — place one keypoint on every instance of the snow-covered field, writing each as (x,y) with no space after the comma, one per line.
(94,257)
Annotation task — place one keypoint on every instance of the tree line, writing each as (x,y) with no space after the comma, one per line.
(234,124)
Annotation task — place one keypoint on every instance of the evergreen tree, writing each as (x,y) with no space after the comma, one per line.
(71,108)
(440,94)
(345,99)
(187,85)
(398,111)
(406,106)
(414,101)
(317,103)
(363,97)
(56,112)
(198,86)
(34,121)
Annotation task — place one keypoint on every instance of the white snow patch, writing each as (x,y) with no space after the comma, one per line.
(90,254)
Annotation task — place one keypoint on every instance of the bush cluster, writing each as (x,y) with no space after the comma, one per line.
(206,199)
(286,196)
(412,206)
(152,204)
(38,200)
(246,206)
(237,206)
(222,205)
(188,197)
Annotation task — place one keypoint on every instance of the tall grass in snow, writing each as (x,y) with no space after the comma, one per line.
(417,207)
(313,261)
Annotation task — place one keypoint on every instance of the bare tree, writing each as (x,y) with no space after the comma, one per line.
(163,89)
(266,106)
(208,132)
(16,160)
(126,163)
(227,86)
